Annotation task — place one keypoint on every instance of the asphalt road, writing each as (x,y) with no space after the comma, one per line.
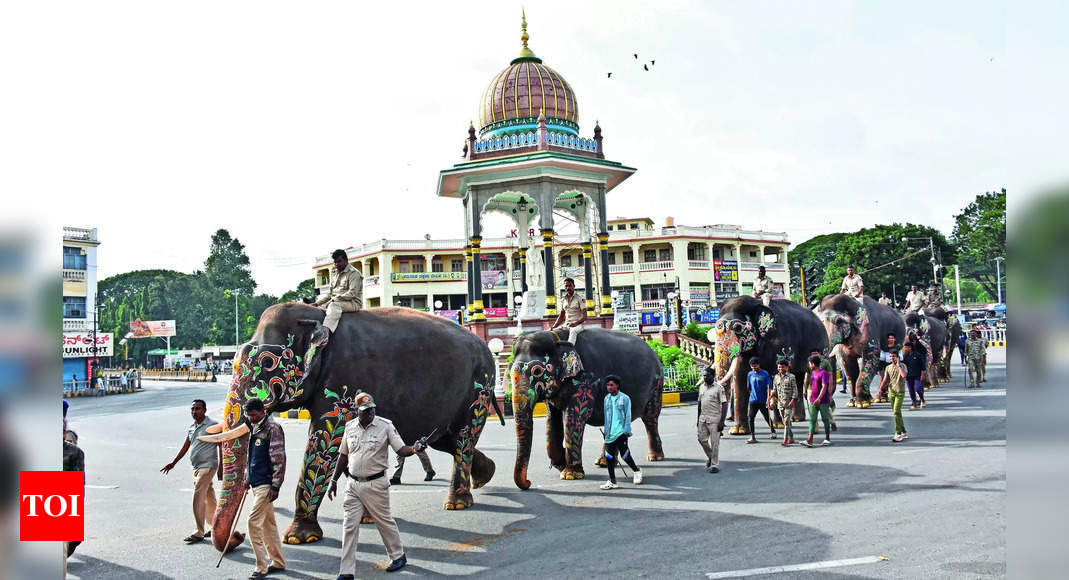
(933,506)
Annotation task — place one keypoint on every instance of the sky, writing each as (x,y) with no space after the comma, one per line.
(301,127)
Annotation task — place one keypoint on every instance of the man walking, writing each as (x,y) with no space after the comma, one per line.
(712,408)
(819,400)
(962,340)
(853,285)
(263,479)
(346,294)
(572,312)
(428,469)
(205,460)
(785,395)
(364,458)
(617,410)
(763,286)
(916,362)
(759,382)
(894,379)
(975,352)
(827,366)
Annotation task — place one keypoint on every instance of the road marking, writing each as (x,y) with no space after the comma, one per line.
(767,467)
(102,487)
(795,567)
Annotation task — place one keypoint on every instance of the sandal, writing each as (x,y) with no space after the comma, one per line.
(193,539)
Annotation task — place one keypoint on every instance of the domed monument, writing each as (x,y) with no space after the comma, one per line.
(526,159)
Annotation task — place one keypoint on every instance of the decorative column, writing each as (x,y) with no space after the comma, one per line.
(587,276)
(551,296)
(471,278)
(477,279)
(606,289)
(523,269)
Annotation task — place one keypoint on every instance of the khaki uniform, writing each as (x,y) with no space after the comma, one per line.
(710,399)
(346,295)
(786,388)
(915,301)
(852,286)
(573,309)
(885,301)
(368,456)
(762,288)
(975,355)
(426,461)
(934,298)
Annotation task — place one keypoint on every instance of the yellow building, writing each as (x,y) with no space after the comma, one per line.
(710,264)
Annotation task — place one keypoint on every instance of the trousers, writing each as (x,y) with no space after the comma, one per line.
(426,461)
(371,498)
(263,533)
(896,408)
(975,371)
(754,409)
(786,412)
(825,414)
(709,439)
(203,498)
(916,389)
(613,450)
(334,310)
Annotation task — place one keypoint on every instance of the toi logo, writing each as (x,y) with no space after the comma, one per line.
(51,506)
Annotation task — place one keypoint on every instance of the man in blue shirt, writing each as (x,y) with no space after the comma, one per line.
(617,430)
(759,381)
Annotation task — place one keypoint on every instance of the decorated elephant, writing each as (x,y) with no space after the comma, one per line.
(932,333)
(860,330)
(427,375)
(747,328)
(954,332)
(570,379)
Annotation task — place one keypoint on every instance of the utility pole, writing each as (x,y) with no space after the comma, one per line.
(236,319)
(801,275)
(957,283)
(998,276)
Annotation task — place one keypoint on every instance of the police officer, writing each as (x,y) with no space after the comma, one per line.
(853,285)
(915,299)
(763,286)
(975,353)
(364,459)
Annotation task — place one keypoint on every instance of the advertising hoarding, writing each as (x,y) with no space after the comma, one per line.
(152,328)
(80,344)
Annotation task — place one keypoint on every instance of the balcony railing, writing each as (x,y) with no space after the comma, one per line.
(621,268)
(698,264)
(651,266)
(372,280)
(73,275)
(649,304)
(75,324)
(718,232)
(79,234)
(428,276)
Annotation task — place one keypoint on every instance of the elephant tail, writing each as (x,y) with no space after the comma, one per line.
(498,409)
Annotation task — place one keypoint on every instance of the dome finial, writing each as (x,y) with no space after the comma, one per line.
(525,53)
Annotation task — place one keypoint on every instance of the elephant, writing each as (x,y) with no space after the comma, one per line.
(570,379)
(859,330)
(954,330)
(747,328)
(932,333)
(427,374)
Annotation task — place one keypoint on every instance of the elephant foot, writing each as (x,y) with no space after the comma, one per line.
(600,461)
(571,474)
(303,530)
(852,403)
(740,430)
(482,471)
(866,404)
(655,457)
(459,502)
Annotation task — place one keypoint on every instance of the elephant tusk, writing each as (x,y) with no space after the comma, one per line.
(214,429)
(232,434)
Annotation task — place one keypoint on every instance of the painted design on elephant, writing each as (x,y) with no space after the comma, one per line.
(286,383)
(577,413)
(572,366)
(870,361)
(464,454)
(786,355)
(321,453)
(765,322)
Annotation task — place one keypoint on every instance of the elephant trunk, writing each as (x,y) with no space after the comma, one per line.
(235,455)
(522,412)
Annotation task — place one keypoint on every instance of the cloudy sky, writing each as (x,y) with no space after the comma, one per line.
(302,127)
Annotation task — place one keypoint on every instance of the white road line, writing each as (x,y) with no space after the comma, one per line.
(795,567)
(767,467)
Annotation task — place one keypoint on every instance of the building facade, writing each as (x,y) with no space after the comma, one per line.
(80,339)
(707,264)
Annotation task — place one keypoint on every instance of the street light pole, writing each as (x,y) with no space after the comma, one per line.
(998,276)
(957,283)
(236,342)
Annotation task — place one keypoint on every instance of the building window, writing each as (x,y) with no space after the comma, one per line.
(516,263)
(74,307)
(629,257)
(696,252)
(612,258)
(665,254)
(634,226)
(566,261)
(418,265)
(753,254)
(656,291)
(649,255)
(73,259)
(716,254)
(456,265)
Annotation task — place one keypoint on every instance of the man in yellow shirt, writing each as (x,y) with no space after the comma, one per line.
(346,294)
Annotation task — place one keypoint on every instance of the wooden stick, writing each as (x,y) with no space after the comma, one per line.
(237,516)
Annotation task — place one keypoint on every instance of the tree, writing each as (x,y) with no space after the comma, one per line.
(305,288)
(227,266)
(885,261)
(814,255)
(979,237)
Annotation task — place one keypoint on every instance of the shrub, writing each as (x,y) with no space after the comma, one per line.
(696,332)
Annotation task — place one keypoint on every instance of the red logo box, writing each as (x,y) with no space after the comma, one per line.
(51,506)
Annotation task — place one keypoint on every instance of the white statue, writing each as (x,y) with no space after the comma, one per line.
(536,269)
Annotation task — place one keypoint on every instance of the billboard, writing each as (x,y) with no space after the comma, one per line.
(726,270)
(80,344)
(627,321)
(152,328)
(494,279)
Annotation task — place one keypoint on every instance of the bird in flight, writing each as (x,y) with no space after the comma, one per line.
(653,62)
(636,56)
(645,68)
(610,76)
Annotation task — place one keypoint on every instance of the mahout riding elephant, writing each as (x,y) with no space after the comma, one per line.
(859,329)
(932,333)
(427,375)
(570,379)
(747,328)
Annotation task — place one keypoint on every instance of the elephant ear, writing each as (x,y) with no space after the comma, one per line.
(764,321)
(570,364)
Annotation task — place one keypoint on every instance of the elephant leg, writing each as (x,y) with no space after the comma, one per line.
(580,408)
(482,469)
(868,371)
(460,487)
(798,415)
(651,416)
(320,459)
(555,437)
(852,370)
(742,401)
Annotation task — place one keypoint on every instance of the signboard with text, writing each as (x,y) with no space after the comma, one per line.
(627,321)
(726,270)
(80,344)
(152,328)
(500,312)
(426,276)
(494,279)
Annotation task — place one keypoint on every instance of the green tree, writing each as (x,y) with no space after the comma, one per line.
(305,288)
(979,237)
(814,255)
(227,266)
